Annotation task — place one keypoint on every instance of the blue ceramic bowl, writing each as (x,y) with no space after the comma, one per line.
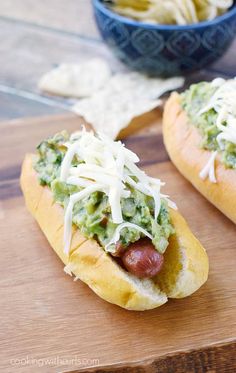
(165,50)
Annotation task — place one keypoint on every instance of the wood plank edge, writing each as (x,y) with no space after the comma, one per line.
(214,358)
(39,119)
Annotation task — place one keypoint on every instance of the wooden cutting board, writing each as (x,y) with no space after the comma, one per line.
(51,324)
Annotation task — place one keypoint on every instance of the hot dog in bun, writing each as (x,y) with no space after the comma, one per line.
(199,128)
(109,222)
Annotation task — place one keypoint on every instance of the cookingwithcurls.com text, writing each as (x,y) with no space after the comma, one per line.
(55,361)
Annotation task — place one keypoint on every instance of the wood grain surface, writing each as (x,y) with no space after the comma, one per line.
(49,323)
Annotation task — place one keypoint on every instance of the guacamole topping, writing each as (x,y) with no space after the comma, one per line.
(102,191)
(211,107)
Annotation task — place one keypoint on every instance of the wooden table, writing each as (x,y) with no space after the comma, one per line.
(36,35)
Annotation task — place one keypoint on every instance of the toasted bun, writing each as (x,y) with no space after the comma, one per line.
(184,271)
(182,141)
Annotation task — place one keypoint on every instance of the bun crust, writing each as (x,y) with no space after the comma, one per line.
(182,143)
(184,271)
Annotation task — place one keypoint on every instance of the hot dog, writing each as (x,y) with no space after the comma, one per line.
(109,223)
(142,259)
(199,128)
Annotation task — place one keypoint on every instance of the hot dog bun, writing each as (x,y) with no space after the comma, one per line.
(182,142)
(184,271)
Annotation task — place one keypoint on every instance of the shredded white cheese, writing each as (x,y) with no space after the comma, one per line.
(209,169)
(106,166)
(76,197)
(224,103)
(116,236)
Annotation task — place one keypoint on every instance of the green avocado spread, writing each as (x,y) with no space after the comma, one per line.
(93,214)
(193,100)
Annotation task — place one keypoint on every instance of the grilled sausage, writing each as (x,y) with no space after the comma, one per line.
(142,259)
